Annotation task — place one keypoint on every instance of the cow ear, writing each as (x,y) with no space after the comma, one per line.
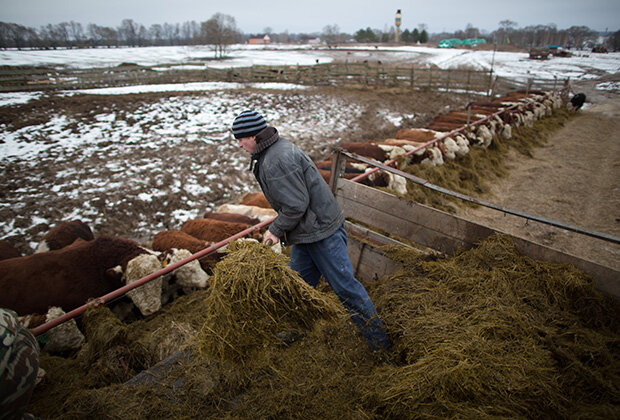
(114,273)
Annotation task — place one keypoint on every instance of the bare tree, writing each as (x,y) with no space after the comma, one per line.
(614,41)
(76,33)
(18,36)
(331,35)
(128,32)
(471,31)
(580,35)
(189,32)
(171,33)
(101,35)
(219,32)
(156,34)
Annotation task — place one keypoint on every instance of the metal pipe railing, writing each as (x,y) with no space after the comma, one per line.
(121,291)
(435,140)
(425,183)
(41,329)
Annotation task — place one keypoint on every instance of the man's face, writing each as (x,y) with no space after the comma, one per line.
(247,143)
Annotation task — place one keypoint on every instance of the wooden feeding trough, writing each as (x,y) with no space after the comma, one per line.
(439,231)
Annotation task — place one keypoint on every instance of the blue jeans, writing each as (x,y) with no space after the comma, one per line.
(329,257)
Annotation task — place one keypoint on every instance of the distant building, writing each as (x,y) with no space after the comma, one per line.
(263,40)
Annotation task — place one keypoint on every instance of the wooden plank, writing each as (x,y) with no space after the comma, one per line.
(447,233)
(369,262)
(377,238)
(407,219)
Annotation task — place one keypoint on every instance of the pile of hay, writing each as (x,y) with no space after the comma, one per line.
(114,352)
(254,298)
(472,174)
(490,333)
(487,333)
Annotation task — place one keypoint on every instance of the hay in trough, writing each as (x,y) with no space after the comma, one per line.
(473,173)
(492,333)
(255,296)
(114,351)
(487,333)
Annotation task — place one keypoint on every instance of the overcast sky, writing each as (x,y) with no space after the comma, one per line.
(313,15)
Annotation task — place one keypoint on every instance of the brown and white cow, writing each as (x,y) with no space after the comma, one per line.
(255,199)
(66,277)
(63,234)
(7,250)
(168,239)
(212,230)
(260,213)
(231,217)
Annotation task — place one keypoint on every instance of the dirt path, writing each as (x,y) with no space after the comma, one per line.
(574,178)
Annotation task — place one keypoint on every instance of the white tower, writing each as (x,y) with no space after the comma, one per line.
(397,23)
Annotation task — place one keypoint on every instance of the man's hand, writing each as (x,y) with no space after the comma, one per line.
(271,237)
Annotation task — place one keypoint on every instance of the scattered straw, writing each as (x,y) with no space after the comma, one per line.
(254,296)
(488,333)
(472,174)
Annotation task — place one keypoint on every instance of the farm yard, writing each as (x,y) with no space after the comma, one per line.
(138,159)
(134,160)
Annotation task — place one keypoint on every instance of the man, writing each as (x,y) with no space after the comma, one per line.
(19,365)
(308,218)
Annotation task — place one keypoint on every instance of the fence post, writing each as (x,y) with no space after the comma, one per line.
(468,81)
(430,78)
(492,93)
(529,85)
(490,83)
(412,77)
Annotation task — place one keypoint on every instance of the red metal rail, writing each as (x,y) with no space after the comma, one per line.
(43,328)
(451,133)
(121,291)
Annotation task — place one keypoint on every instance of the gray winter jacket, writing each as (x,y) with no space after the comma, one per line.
(307,210)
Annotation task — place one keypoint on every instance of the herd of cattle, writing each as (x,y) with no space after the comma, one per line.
(512,110)
(71,266)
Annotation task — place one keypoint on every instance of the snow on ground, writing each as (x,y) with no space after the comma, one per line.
(15,98)
(515,65)
(239,56)
(165,162)
(172,157)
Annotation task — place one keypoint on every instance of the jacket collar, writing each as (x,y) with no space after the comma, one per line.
(264,139)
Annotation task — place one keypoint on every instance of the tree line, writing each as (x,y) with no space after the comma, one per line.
(129,33)
(534,36)
(221,30)
(409,37)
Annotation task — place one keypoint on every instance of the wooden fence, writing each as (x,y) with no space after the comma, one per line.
(338,75)
(464,81)
(441,232)
(501,85)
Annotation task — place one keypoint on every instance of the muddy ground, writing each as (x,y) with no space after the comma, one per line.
(572,179)
(133,165)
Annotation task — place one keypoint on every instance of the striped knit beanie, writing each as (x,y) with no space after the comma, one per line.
(248,124)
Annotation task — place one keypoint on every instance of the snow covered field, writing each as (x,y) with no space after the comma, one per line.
(515,65)
(136,164)
(136,160)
